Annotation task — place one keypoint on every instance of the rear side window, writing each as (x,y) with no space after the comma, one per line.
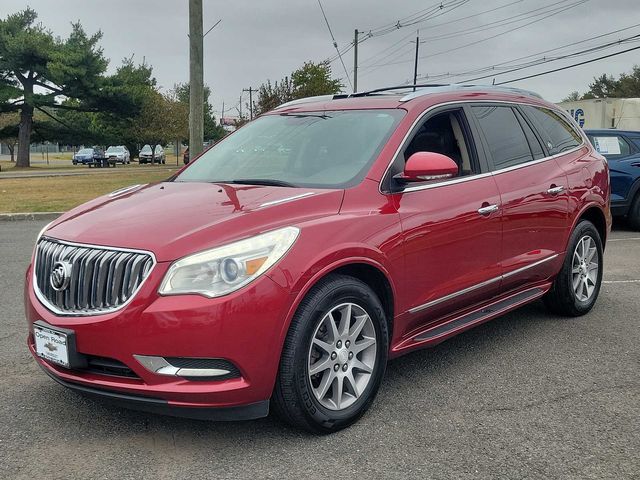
(556,133)
(534,143)
(505,138)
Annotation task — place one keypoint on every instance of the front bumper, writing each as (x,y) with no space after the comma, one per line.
(244,328)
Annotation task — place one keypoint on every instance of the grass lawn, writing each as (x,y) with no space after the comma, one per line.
(58,194)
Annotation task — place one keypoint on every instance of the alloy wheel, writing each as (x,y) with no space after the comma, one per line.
(342,356)
(584,268)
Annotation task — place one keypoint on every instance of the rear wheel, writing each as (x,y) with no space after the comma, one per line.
(334,356)
(576,288)
(633,217)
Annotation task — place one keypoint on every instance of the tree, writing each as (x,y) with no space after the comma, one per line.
(9,131)
(309,80)
(271,95)
(607,86)
(162,119)
(212,131)
(37,68)
(572,97)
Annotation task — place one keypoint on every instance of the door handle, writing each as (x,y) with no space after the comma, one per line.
(553,190)
(488,210)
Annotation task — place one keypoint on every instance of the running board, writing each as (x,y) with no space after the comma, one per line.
(475,317)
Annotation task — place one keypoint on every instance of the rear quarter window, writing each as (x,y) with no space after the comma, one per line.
(557,135)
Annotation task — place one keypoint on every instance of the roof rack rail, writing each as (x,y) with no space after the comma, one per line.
(417,90)
(457,86)
(299,101)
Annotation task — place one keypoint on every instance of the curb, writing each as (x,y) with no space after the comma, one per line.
(11,217)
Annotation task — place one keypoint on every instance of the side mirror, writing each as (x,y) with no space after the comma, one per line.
(424,166)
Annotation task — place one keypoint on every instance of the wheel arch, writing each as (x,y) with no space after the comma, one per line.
(364,269)
(595,215)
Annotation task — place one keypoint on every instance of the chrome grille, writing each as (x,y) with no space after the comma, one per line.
(102,279)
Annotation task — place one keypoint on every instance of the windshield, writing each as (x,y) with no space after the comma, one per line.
(146,149)
(85,151)
(114,149)
(332,149)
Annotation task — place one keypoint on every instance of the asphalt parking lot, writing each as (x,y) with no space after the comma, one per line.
(529,395)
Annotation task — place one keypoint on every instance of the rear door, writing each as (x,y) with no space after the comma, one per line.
(533,194)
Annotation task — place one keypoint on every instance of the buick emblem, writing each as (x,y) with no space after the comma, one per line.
(60,276)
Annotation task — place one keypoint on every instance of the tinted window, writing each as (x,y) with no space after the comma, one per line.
(506,140)
(556,133)
(534,143)
(610,145)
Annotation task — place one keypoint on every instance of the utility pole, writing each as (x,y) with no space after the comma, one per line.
(415,65)
(222,114)
(196,79)
(355,61)
(250,90)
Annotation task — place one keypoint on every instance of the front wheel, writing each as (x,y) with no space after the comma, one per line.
(334,356)
(576,288)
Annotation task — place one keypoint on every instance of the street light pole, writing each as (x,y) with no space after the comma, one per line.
(355,61)
(415,65)
(196,79)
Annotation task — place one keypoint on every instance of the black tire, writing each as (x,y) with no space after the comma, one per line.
(633,217)
(562,299)
(293,397)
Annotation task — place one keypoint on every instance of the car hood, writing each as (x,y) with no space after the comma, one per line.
(174,219)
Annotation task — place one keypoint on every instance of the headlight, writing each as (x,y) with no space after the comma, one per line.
(225,269)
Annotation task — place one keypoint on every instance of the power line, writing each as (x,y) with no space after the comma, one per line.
(507,63)
(455,20)
(549,14)
(569,66)
(335,44)
(434,11)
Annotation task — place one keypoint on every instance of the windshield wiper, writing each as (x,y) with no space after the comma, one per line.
(304,115)
(259,181)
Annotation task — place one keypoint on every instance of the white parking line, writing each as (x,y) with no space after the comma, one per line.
(623,239)
(621,281)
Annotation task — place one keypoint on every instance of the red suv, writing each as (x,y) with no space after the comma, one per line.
(288,263)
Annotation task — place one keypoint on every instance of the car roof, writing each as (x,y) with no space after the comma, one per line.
(405,97)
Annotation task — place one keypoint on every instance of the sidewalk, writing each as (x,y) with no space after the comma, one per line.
(84,171)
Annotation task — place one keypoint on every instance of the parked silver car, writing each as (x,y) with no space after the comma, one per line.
(118,154)
(145,155)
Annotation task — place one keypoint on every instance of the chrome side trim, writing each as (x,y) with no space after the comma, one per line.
(527,267)
(286,199)
(437,301)
(43,300)
(432,303)
(470,177)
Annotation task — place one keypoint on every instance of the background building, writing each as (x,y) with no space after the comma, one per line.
(620,113)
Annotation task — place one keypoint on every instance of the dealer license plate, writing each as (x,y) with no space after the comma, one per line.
(51,345)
